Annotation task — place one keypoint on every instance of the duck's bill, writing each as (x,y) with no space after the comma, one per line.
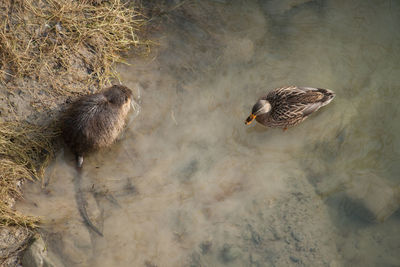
(250,119)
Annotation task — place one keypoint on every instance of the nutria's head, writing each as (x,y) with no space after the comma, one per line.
(118,95)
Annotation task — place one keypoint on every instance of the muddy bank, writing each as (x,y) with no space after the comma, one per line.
(50,53)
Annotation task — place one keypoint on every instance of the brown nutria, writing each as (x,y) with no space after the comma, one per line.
(93,122)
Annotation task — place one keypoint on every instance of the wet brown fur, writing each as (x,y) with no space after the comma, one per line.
(90,123)
(94,121)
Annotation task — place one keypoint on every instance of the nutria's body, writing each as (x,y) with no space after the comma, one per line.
(93,122)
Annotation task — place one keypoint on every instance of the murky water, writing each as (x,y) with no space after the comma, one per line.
(190,185)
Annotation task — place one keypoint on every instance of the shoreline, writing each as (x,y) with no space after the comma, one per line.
(49,57)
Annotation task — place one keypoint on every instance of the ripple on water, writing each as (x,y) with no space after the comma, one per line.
(190,184)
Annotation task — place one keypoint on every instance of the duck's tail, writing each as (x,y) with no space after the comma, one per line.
(329,95)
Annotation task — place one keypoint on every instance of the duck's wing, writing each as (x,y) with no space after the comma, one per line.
(307,99)
(294,102)
(283,111)
(305,95)
(280,94)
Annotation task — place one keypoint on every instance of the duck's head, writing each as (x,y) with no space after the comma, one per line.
(261,107)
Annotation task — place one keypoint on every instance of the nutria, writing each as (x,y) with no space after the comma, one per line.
(93,122)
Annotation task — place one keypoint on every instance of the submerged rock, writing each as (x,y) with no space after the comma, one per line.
(36,255)
(372,200)
(294,259)
(205,247)
(229,253)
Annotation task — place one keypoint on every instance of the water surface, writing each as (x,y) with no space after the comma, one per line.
(189,184)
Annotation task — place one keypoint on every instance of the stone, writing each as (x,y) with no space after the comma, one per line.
(36,255)
(372,199)
(229,253)
(205,247)
(294,259)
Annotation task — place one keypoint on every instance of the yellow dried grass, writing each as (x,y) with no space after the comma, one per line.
(25,150)
(50,39)
(10,175)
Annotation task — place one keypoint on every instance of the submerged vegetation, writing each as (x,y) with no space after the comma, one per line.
(55,48)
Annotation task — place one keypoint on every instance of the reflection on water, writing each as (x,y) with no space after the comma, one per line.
(190,185)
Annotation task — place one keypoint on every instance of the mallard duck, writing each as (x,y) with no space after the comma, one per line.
(287,106)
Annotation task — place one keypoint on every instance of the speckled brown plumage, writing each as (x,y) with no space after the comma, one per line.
(291,105)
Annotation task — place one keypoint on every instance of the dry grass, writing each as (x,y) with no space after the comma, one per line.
(67,47)
(59,42)
(25,150)
(9,190)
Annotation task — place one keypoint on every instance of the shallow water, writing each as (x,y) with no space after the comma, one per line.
(188,184)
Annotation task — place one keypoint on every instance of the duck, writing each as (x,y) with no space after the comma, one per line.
(287,106)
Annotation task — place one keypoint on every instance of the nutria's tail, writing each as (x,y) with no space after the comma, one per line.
(81,203)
